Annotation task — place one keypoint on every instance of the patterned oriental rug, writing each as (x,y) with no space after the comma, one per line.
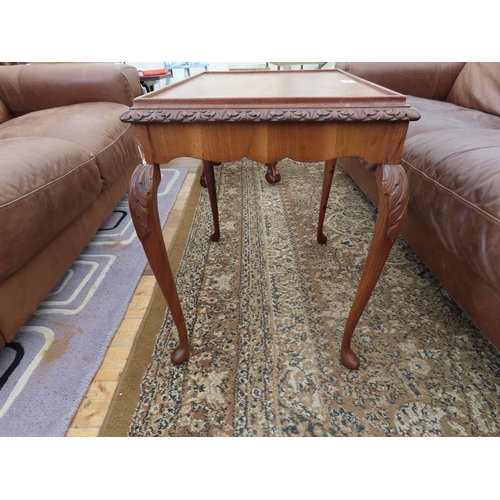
(266,308)
(45,371)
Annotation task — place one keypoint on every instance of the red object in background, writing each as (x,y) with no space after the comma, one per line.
(153,72)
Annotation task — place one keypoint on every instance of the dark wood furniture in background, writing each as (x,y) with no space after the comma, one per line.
(308,116)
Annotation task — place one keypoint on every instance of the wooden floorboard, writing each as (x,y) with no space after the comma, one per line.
(92,411)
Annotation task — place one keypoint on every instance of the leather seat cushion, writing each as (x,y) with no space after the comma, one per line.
(95,126)
(454,178)
(440,115)
(46,183)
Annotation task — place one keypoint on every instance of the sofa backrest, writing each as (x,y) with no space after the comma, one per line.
(478,87)
(4,112)
(27,88)
(430,80)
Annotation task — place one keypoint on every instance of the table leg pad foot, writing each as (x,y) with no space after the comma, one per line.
(349,359)
(179,355)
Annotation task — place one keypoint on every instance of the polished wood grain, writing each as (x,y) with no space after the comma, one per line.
(283,89)
(329,95)
(307,116)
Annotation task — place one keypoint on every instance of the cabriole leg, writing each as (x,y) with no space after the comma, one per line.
(393,202)
(143,202)
(325,193)
(208,170)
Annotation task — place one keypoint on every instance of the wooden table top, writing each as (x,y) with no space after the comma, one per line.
(310,95)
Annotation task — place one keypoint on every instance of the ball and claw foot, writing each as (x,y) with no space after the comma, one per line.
(349,359)
(273,179)
(179,355)
(272,174)
(203,181)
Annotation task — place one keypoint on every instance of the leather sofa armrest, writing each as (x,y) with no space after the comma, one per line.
(27,88)
(431,80)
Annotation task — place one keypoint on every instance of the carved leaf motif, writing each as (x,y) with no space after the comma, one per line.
(323,115)
(371,114)
(345,114)
(139,198)
(253,115)
(233,115)
(395,189)
(165,115)
(208,115)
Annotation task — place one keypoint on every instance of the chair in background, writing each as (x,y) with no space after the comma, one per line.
(150,77)
(186,66)
(287,65)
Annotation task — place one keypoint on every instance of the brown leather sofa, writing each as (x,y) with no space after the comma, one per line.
(65,162)
(452,159)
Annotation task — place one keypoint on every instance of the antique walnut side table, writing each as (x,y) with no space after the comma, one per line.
(307,116)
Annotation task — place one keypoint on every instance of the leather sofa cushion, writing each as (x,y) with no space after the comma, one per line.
(31,87)
(46,183)
(454,178)
(431,80)
(95,126)
(478,87)
(4,112)
(439,115)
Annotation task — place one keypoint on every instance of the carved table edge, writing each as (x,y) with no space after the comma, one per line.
(346,114)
